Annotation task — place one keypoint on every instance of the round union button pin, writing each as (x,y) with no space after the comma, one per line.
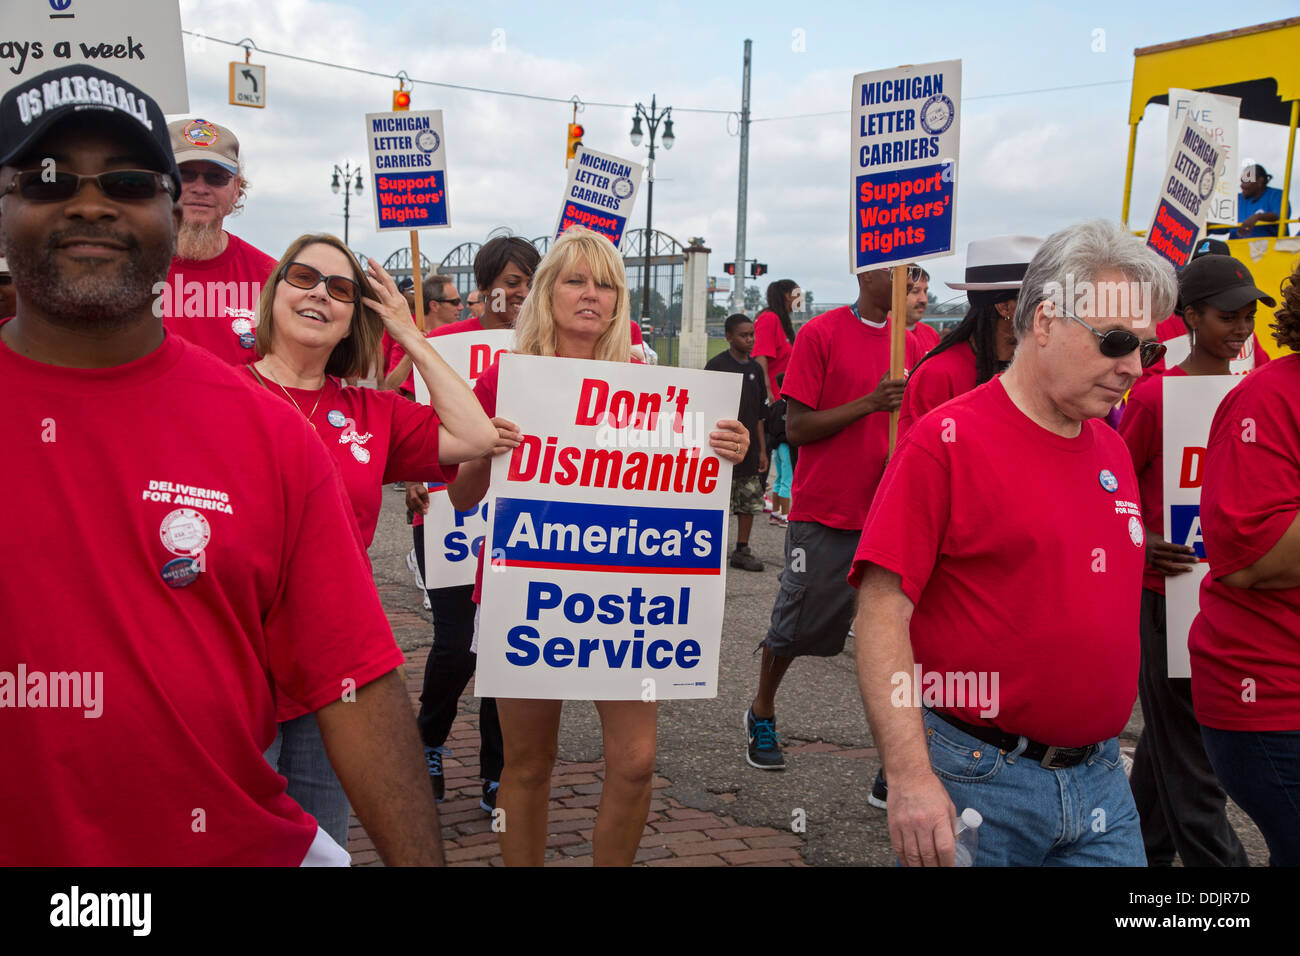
(336,418)
(1108,480)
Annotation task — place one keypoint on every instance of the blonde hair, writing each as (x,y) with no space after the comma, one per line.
(535,331)
(354,354)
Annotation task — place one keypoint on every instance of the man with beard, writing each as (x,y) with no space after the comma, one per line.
(211,293)
(198,577)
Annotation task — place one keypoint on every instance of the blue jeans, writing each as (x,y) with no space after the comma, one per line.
(1261,772)
(298,754)
(1079,816)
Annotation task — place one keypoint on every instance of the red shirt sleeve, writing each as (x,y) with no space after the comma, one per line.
(1261,356)
(898,535)
(1250,495)
(326,624)
(413,442)
(767,328)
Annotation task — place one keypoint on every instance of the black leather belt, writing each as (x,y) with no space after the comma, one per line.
(1052,758)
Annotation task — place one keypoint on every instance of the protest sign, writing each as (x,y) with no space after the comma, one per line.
(605,578)
(408,166)
(600,194)
(904,164)
(452,538)
(1218,116)
(1190,404)
(139,40)
(1185,191)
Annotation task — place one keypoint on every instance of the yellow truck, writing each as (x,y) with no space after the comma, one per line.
(1261,66)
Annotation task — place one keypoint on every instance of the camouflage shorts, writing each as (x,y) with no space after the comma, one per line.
(747,495)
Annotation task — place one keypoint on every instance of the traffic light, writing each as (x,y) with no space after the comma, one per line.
(575,140)
(731,268)
(758,269)
(401,100)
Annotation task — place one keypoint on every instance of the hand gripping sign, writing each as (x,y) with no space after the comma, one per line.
(452,538)
(605,577)
(904,140)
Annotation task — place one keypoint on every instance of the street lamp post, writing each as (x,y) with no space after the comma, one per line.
(653,118)
(353,179)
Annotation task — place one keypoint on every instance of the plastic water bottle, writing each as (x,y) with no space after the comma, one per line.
(967,833)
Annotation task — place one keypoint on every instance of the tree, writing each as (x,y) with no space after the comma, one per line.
(753,300)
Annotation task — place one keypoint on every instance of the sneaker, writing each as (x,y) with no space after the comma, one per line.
(489,801)
(428,605)
(745,559)
(767,502)
(433,759)
(879,794)
(764,743)
(413,565)
(778,519)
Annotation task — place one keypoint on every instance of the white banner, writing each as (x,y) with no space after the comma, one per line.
(139,40)
(1185,191)
(1218,116)
(608,533)
(904,142)
(1190,404)
(452,538)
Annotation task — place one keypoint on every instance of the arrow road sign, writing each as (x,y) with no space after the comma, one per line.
(247,85)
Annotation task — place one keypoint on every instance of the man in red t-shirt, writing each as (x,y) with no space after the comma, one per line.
(918,300)
(210,296)
(1000,572)
(838,397)
(135,716)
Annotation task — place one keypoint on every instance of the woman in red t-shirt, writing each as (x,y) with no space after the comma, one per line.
(578,308)
(1245,642)
(319,321)
(774,332)
(1177,795)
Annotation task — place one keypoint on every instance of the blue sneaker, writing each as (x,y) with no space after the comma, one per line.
(764,743)
(489,801)
(433,760)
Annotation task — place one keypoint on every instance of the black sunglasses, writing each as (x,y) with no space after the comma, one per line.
(455,301)
(129,185)
(1120,342)
(302,276)
(216,178)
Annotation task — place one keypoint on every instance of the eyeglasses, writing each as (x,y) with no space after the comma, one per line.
(1120,342)
(124,185)
(216,178)
(302,276)
(455,301)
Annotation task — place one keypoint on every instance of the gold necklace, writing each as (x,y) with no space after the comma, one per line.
(295,401)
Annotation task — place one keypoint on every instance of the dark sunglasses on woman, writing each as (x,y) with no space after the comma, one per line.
(302,276)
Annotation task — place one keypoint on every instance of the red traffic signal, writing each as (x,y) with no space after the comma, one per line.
(758,269)
(401,100)
(575,140)
(731,268)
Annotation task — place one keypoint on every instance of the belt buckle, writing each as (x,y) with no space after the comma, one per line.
(1049,758)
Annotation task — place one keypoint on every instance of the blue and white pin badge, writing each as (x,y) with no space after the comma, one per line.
(180,572)
(336,418)
(1108,480)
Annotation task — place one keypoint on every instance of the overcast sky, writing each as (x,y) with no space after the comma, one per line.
(1030,162)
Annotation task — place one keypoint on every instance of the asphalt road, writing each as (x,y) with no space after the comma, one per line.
(702,744)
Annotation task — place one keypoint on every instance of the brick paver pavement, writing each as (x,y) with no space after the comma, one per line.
(675,835)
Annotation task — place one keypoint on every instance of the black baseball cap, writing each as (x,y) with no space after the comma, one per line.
(1211,247)
(1221,282)
(34,107)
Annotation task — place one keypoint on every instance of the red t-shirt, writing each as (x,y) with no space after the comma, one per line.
(1143,429)
(213,302)
(926,338)
(936,380)
(375,437)
(770,343)
(837,358)
(1019,563)
(115,478)
(1249,498)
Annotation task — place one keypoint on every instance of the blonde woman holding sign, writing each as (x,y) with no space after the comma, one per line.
(578,308)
